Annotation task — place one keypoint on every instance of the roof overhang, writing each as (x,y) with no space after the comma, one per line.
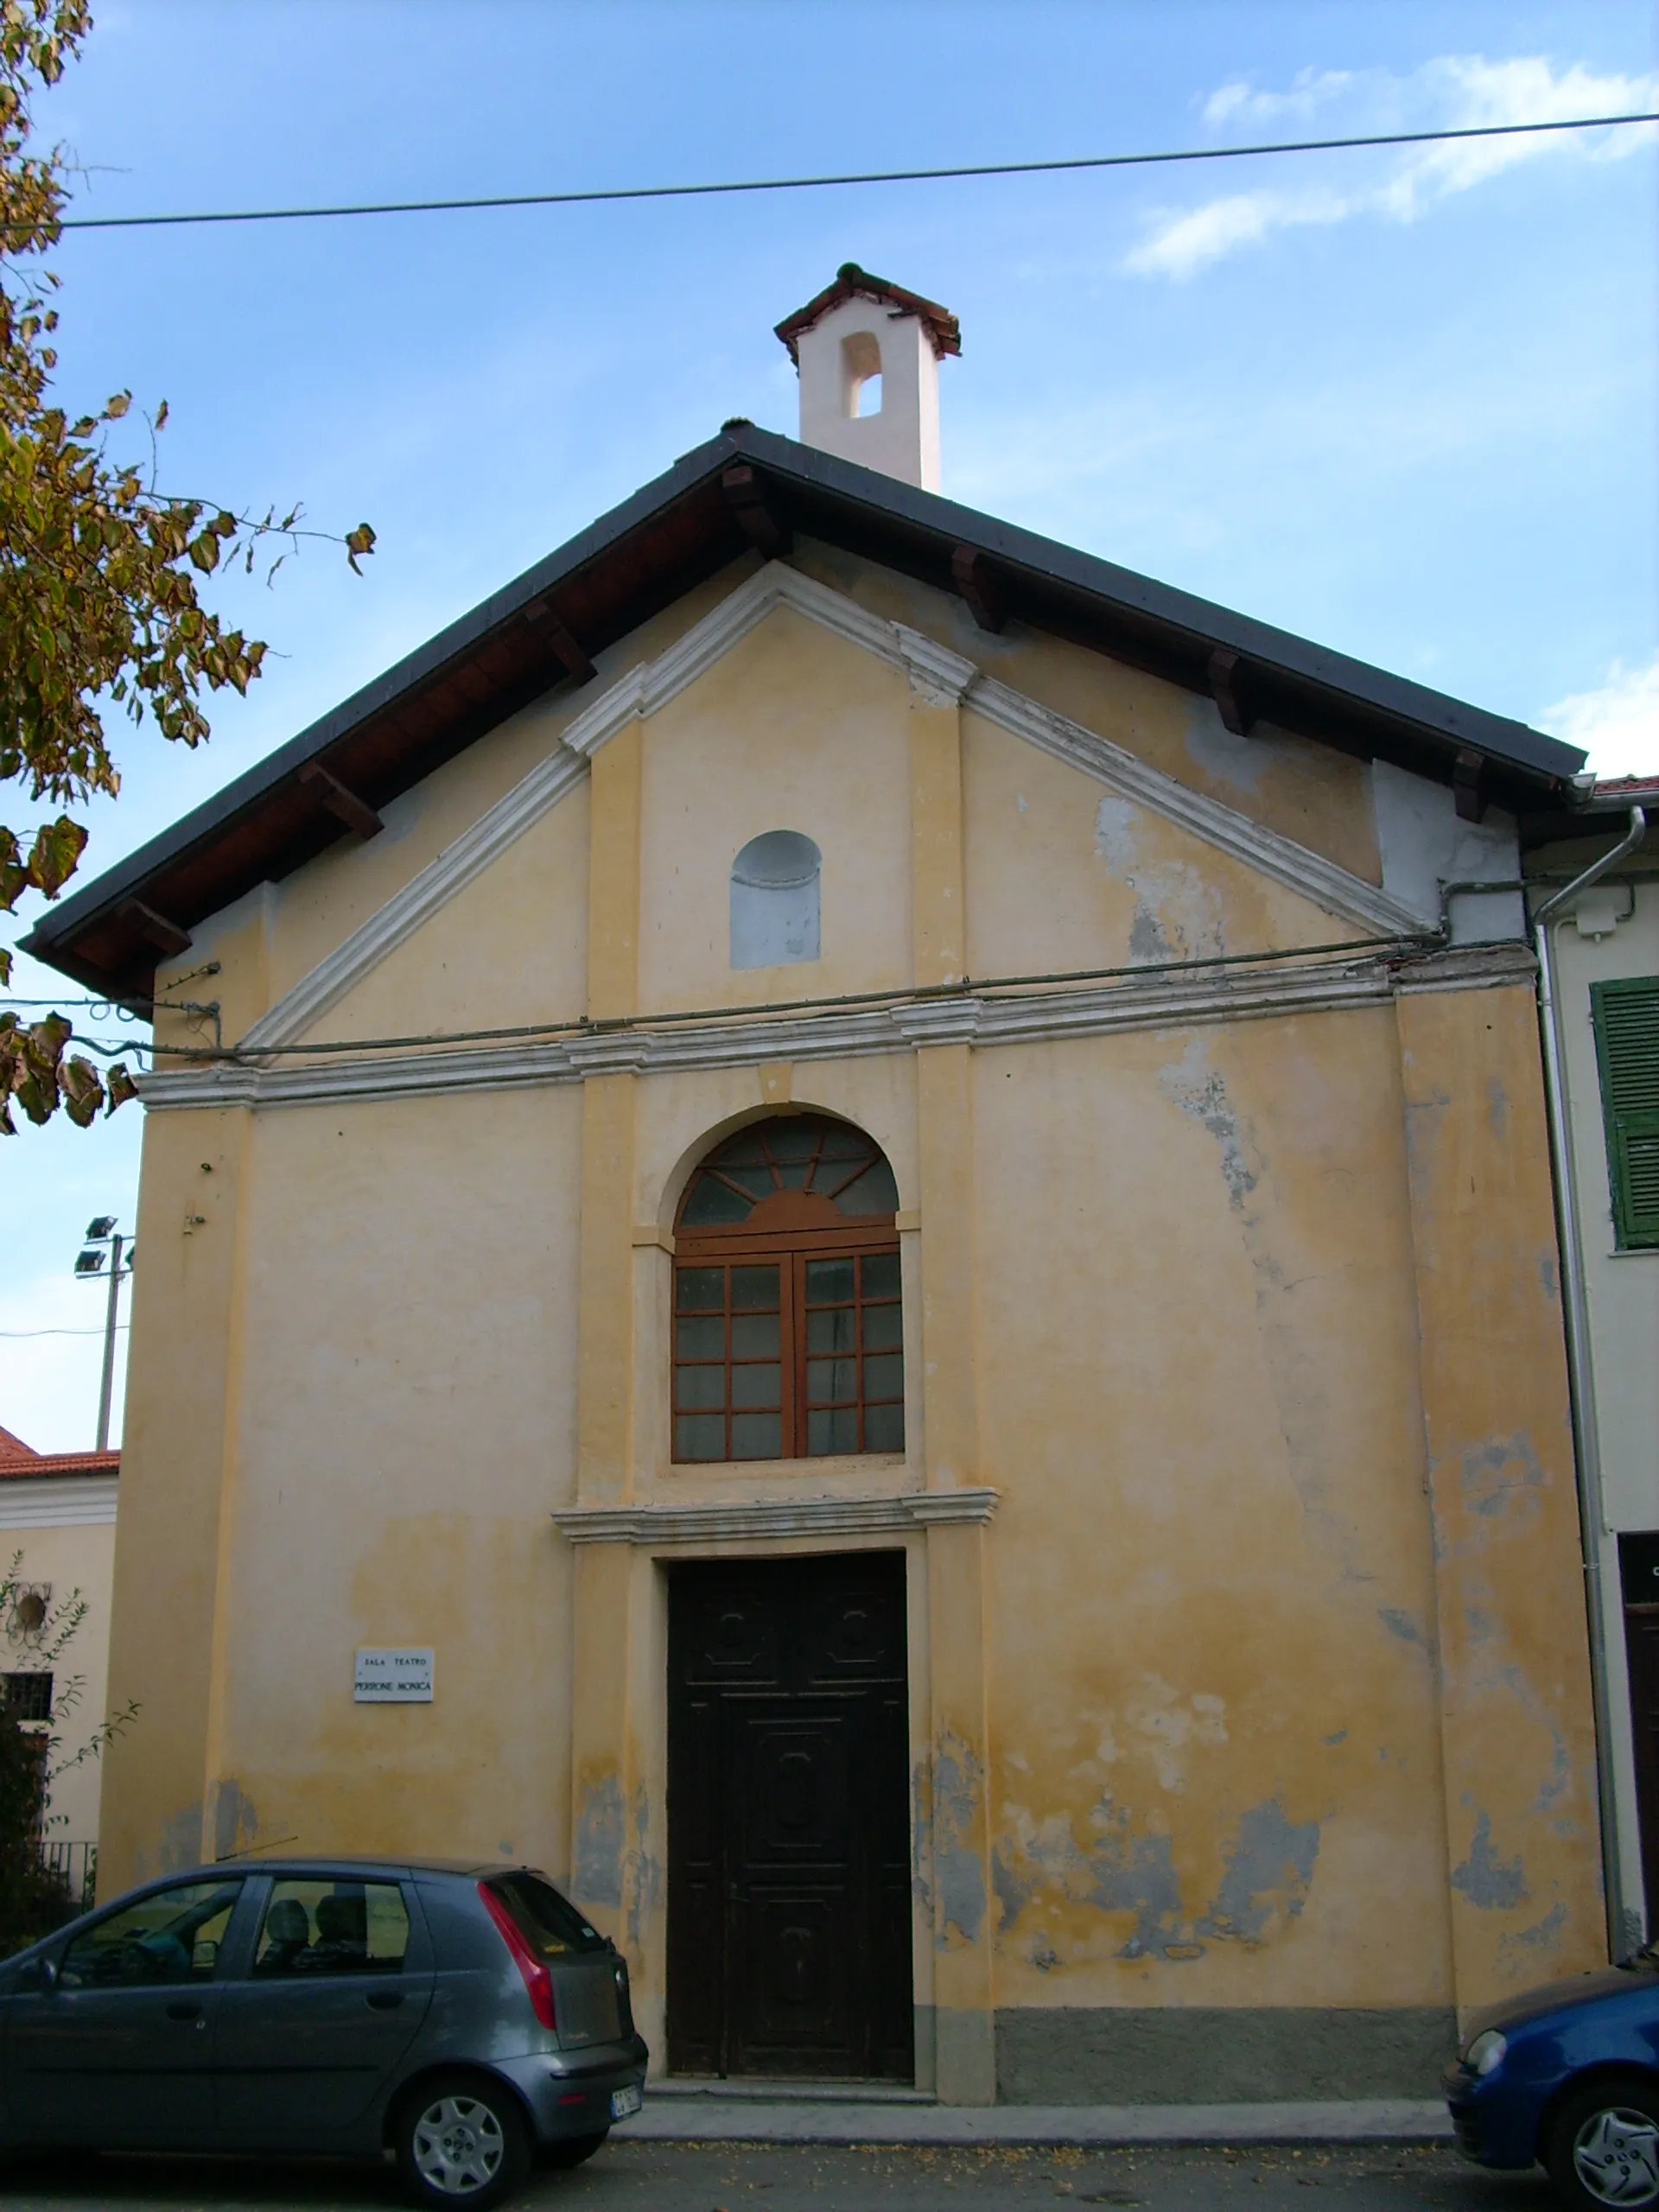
(745,490)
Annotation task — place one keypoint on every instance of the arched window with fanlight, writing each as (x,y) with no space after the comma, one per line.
(788,1323)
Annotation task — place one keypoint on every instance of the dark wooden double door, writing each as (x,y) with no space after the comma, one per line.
(788,1819)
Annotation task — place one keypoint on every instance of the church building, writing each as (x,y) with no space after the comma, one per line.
(848,1233)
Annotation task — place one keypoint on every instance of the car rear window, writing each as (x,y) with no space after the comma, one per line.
(549,1924)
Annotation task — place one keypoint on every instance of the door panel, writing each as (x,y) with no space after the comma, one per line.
(1642,1647)
(119,2054)
(789,1836)
(339,1982)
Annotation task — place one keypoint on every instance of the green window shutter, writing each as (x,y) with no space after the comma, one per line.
(1626,1016)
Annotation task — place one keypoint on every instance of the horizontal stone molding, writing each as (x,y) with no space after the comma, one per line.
(1033,1016)
(934,670)
(736,1521)
(1471,968)
(58,1501)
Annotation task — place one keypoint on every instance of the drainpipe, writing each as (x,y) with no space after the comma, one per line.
(1579,1377)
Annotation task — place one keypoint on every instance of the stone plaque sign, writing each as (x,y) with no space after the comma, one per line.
(388,1677)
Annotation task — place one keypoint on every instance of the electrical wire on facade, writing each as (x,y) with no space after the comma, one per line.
(1400,948)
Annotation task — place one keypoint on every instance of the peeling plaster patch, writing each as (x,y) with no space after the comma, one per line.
(597,1871)
(1198,1091)
(1561,1765)
(644,1873)
(1498,1107)
(1169,1725)
(1137,1874)
(1399,1623)
(1013,1891)
(1498,1475)
(1147,943)
(1043,1956)
(235,1822)
(180,1846)
(1184,912)
(1482,1626)
(1177,915)
(1298,1379)
(958,1872)
(1116,821)
(921,1831)
(1270,1864)
(1544,1935)
(1550,1279)
(1341,1737)
(1486,1880)
(1213,747)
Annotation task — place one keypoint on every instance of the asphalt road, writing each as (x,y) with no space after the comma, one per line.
(676,2177)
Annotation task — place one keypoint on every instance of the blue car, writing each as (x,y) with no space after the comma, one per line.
(1567,2076)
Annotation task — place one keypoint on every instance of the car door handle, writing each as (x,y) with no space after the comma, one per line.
(180,2011)
(384,2000)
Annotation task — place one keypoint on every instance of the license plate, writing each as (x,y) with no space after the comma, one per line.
(623,2102)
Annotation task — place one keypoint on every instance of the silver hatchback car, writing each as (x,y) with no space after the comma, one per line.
(459,2018)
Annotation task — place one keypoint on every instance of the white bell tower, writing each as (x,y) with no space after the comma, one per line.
(868,354)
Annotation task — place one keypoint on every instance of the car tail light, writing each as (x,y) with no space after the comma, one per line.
(537,1980)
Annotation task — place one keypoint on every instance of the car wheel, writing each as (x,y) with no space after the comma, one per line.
(574,2150)
(461,2139)
(1603,2145)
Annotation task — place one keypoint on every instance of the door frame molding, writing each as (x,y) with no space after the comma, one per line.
(619,1749)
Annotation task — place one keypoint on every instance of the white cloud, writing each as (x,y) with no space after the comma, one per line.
(1453,91)
(1310,92)
(1617,723)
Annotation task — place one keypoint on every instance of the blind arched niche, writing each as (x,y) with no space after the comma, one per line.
(788,1323)
(775,900)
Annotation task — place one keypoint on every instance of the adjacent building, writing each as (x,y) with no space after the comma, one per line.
(836,1239)
(1603,1026)
(57,1545)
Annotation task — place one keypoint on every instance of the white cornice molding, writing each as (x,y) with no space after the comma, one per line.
(58,1501)
(1159,1001)
(938,676)
(936,673)
(736,1521)
(421,897)
(1307,873)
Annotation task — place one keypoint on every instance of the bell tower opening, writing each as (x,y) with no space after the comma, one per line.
(868,354)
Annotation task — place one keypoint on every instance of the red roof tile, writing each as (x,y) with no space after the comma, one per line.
(18,1463)
(852,283)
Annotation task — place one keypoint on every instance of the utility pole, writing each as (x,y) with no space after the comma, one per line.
(106,1387)
(89,1265)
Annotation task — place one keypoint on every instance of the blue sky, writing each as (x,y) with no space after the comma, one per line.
(1400,402)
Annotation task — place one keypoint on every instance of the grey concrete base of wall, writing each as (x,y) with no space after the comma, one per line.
(1212,2053)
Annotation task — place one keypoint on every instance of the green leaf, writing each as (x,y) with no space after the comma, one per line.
(56,854)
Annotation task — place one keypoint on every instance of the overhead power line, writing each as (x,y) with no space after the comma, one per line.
(861,176)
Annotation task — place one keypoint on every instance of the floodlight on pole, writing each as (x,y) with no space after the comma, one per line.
(89,1267)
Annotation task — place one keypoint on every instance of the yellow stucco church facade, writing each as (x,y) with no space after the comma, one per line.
(859,1173)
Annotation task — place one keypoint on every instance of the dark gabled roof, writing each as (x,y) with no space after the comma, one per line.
(852,283)
(749,488)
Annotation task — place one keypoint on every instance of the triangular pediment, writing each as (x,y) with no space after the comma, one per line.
(934,670)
